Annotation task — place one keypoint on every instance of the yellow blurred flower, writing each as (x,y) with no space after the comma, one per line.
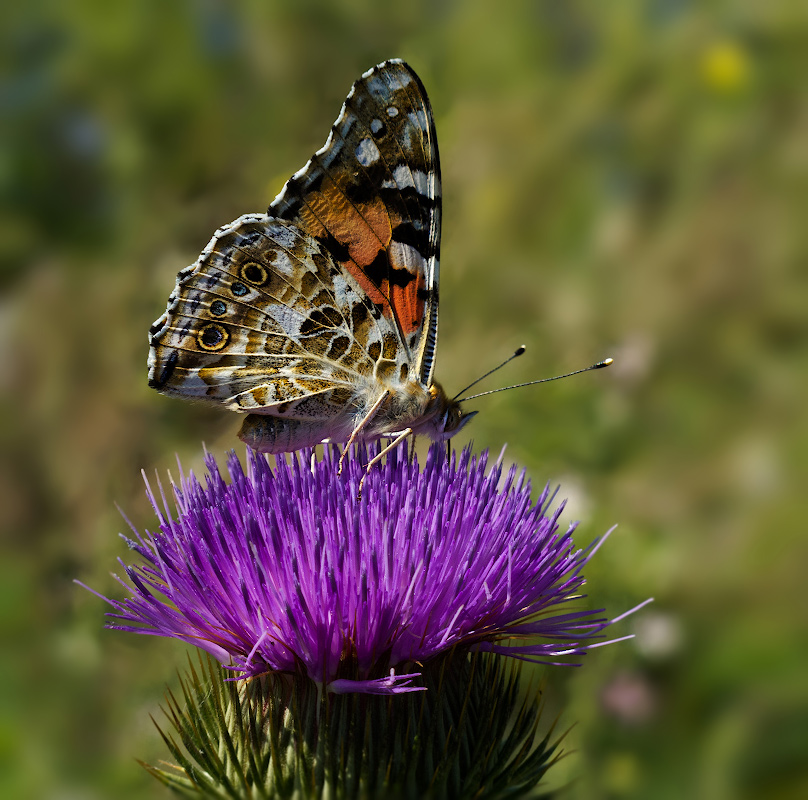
(725,66)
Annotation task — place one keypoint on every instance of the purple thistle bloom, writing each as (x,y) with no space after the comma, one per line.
(286,569)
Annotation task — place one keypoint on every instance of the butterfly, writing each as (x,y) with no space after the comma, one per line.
(319,319)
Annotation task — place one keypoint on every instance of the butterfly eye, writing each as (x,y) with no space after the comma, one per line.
(212,337)
(254,273)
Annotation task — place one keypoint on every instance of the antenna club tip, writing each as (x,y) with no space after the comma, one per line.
(519,350)
(604,363)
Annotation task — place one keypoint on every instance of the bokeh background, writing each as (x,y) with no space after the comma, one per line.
(620,178)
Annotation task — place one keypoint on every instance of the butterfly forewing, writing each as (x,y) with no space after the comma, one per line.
(371,194)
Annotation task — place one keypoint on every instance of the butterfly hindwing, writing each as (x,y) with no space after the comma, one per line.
(263,320)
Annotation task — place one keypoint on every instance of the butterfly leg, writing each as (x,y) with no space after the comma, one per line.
(400,438)
(358,429)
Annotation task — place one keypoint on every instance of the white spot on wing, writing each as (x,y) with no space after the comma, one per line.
(376,85)
(283,264)
(343,293)
(376,125)
(392,111)
(418,119)
(283,236)
(367,152)
(405,255)
(288,320)
(412,178)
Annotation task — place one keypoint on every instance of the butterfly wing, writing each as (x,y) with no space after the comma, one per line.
(301,313)
(371,195)
(264,321)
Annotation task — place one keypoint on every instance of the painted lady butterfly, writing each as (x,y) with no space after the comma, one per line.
(319,319)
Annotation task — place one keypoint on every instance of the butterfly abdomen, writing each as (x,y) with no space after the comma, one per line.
(268,434)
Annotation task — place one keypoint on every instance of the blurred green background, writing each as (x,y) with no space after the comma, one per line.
(620,178)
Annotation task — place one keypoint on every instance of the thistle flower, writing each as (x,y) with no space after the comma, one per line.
(286,569)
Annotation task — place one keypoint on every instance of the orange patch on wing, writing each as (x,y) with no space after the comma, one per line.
(310,223)
(376,294)
(363,229)
(408,306)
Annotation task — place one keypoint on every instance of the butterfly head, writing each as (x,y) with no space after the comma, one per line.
(447,418)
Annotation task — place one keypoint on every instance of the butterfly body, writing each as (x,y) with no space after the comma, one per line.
(319,319)
(407,408)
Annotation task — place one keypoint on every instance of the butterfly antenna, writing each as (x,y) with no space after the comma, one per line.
(599,365)
(518,352)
